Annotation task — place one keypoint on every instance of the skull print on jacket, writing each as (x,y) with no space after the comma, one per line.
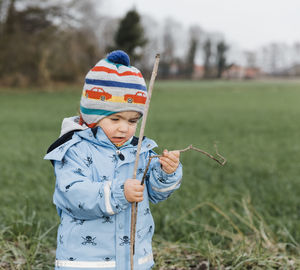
(90,200)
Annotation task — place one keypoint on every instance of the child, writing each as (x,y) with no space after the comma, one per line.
(93,161)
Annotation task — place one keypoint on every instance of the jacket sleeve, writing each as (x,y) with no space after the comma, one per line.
(161,185)
(77,194)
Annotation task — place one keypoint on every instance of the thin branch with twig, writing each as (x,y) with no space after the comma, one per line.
(221,159)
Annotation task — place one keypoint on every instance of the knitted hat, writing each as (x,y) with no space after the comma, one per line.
(112,86)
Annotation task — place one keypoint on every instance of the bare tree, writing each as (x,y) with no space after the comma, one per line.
(195,34)
(296,53)
(168,49)
(207,58)
(190,59)
(274,57)
(152,33)
(4,5)
(221,58)
(106,33)
(251,59)
(55,45)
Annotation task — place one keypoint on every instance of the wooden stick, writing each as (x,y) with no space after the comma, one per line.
(141,135)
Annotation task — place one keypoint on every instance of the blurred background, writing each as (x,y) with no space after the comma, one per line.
(58,41)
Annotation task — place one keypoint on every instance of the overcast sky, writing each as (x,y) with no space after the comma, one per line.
(247,23)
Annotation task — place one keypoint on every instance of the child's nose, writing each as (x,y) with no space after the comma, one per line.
(123,127)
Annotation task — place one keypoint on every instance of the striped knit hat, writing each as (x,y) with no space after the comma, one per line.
(112,86)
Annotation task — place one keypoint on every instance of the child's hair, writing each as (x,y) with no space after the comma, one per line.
(112,86)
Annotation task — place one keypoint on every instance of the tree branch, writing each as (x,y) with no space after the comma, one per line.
(221,159)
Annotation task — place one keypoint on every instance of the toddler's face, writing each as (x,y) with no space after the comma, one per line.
(120,127)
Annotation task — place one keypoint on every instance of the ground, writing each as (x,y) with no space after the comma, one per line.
(244,215)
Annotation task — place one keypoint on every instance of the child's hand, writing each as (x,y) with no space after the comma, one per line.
(133,190)
(169,161)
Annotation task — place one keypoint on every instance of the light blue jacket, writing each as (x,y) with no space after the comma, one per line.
(94,232)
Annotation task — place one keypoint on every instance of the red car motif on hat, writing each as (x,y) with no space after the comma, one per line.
(139,97)
(97,93)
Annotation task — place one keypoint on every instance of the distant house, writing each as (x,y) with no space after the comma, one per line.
(198,72)
(173,69)
(252,73)
(232,72)
(239,72)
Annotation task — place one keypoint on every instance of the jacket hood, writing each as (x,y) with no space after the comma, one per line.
(70,124)
(72,133)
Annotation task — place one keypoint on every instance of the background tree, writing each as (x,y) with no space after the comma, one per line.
(130,35)
(221,58)
(195,35)
(167,49)
(207,58)
(251,59)
(167,54)
(36,49)
(148,52)
(190,59)
(296,53)
(21,49)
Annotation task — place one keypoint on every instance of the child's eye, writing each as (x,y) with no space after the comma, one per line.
(114,119)
(133,121)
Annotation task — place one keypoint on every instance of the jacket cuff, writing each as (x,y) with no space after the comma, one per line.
(167,178)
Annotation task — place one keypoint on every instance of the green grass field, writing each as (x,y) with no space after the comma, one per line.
(244,215)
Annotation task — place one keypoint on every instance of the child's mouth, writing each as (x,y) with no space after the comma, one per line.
(118,139)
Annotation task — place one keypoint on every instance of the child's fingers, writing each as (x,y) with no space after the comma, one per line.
(138,198)
(133,190)
(176,153)
(166,167)
(173,155)
(134,182)
(169,162)
(172,158)
(139,194)
(165,152)
(163,163)
(139,187)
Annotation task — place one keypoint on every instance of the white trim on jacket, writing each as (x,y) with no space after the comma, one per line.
(145,259)
(107,198)
(90,264)
(167,188)
(85,264)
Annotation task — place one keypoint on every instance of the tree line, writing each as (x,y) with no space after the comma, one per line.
(43,43)
(59,41)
